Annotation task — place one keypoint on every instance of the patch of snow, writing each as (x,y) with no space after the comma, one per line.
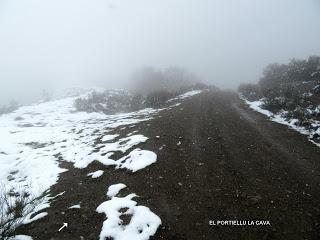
(59,194)
(20,237)
(96,174)
(185,95)
(175,105)
(114,189)
(40,206)
(75,206)
(136,160)
(143,224)
(279,118)
(109,137)
(36,217)
(308,94)
(257,106)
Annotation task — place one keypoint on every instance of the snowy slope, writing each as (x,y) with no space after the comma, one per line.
(34,139)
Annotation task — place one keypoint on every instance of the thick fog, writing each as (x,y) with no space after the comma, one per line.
(49,44)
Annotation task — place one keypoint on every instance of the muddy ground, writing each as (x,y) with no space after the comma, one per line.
(232,164)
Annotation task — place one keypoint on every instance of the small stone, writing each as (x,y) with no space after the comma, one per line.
(255,199)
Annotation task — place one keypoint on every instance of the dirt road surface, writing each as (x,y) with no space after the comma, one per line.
(217,160)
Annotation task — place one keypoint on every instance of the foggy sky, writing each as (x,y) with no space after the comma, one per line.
(46,43)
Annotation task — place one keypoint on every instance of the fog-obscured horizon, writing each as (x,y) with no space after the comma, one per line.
(56,44)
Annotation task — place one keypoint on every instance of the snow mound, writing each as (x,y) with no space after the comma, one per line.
(137,160)
(96,174)
(114,189)
(143,223)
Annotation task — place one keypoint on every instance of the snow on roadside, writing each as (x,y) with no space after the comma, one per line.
(77,206)
(114,189)
(143,222)
(96,174)
(185,95)
(137,160)
(34,139)
(20,237)
(257,106)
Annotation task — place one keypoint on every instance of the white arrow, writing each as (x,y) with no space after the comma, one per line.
(63,226)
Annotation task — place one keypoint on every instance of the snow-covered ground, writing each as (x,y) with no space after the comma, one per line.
(280,118)
(33,139)
(143,223)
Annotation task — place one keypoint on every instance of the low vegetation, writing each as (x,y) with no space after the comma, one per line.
(14,208)
(112,102)
(108,102)
(13,105)
(292,90)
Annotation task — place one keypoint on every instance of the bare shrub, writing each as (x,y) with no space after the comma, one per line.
(14,208)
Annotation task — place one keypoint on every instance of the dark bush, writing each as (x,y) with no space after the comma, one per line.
(296,71)
(290,89)
(109,102)
(250,91)
(112,102)
(13,105)
(159,98)
(14,207)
